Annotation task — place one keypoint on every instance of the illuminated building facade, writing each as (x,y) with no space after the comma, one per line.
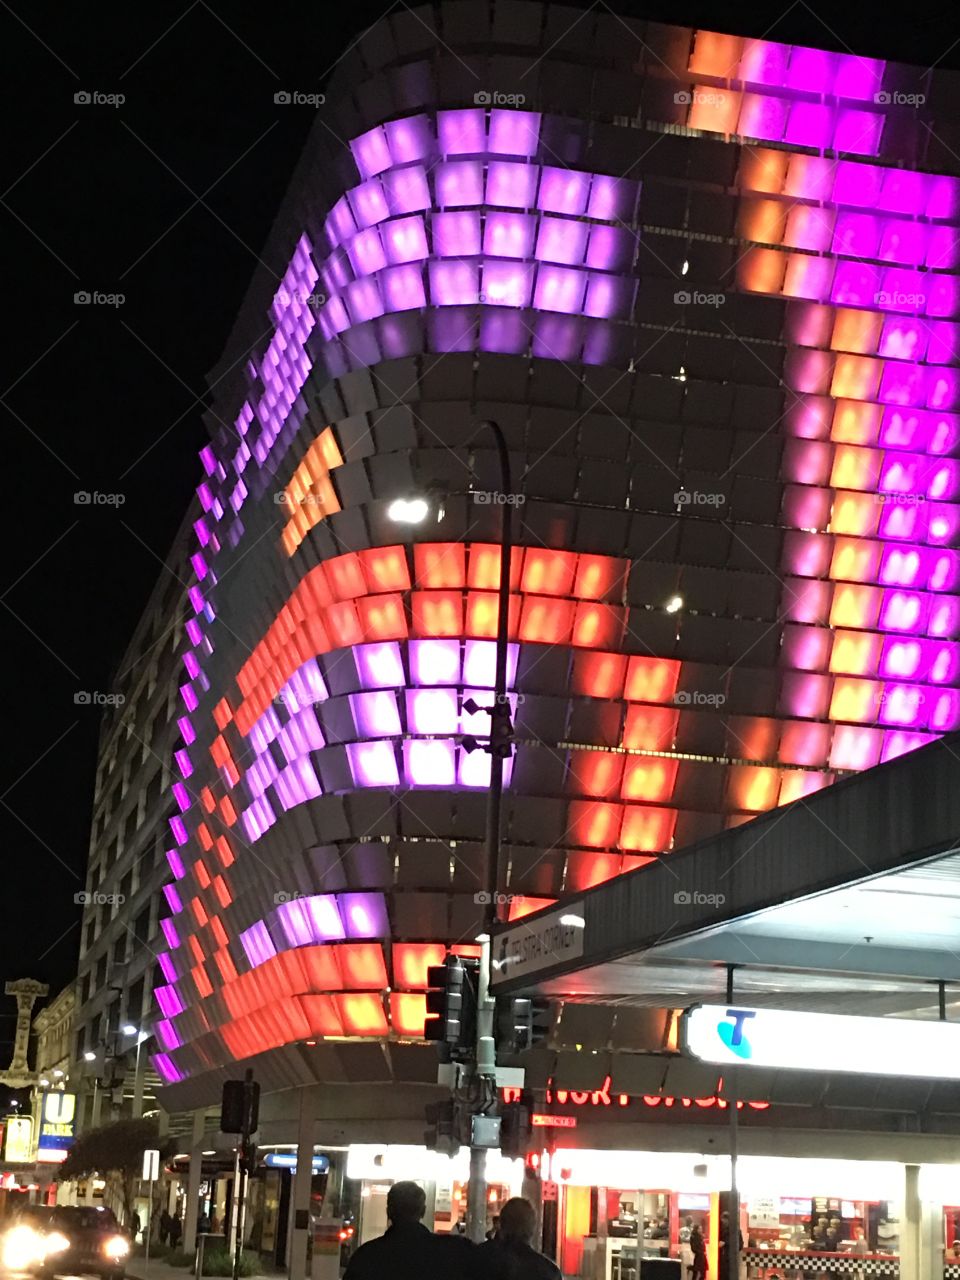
(708,288)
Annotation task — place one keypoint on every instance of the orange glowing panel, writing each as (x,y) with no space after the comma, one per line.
(599,675)
(855,653)
(227,812)
(224,962)
(647,830)
(649,778)
(855,606)
(596,774)
(797,783)
(761,220)
(385,569)
(753,787)
(803,743)
(204,836)
(762,169)
(547,572)
(207,800)
(321,966)
(224,852)
(855,513)
(856,377)
(599,578)
(322,1014)
(525,906)
(411,960)
(408,1014)
(855,468)
(482,611)
(201,981)
(437,613)
(715,54)
(219,932)
(715,110)
(345,575)
(484,567)
(857,331)
(650,728)
(382,617)
(439,565)
(343,624)
(855,560)
(761,270)
(594,824)
(753,737)
(856,422)
(224,896)
(587,870)
(597,625)
(201,873)
(362,966)
(362,1015)
(222,713)
(199,912)
(196,948)
(651,679)
(545,620)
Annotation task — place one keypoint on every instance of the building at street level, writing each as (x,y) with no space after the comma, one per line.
(708,288)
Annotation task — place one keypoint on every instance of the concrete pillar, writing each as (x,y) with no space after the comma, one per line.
(193,1181)
(430,1213)
(931,1241)
(910,1224)
(300,1198)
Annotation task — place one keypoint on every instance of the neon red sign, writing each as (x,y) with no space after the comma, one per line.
(553,1122)
(602,1097)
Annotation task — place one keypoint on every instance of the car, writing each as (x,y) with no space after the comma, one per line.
(20,1246)
(82,1240)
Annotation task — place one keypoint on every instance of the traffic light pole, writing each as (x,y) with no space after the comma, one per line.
(501,747)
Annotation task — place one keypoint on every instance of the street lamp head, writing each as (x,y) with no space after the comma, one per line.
(57,1074)
(408,510)
(89,1056)
(129,1029)
(674,604)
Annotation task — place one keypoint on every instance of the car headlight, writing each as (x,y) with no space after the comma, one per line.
(55,1242)
(116,1247)
(21,1248)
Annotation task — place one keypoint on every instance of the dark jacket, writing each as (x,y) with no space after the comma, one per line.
(498,1261)
(411,1252)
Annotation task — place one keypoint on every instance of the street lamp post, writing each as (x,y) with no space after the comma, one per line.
(130,1030)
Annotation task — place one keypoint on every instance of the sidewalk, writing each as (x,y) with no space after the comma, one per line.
(139,1269)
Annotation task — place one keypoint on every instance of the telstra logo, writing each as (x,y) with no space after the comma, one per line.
(732,1034)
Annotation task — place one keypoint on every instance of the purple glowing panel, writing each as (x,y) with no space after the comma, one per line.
(562,240)
(857,132)
(192,628)
(504,332)
(558,337)
(462,133)
(298,925)
(560,289)
(456,234)
(405,240)
(514,133)
(903,191)
(364,914)
(857,185)
(474,770)
(458,183)
(943,341)
(369,204)
(506,283)
(182,796)
(257,944)
(943,392)
(402,288)
(173,899)
(480,663)
(166,1033)
(364,301)
(945,714)
(169,928)
(942,296)
(179,830)
(187,731)
(410,139)
(380,665)
(764,62)
(511,185)
(373,764)
(612,199)
(942,196)
(611,248)
(371,153)
(903,705)
(375,714)
(899,743)
(325,919)
(432,711)
(856,284)
(305,688)
(609,298)
(856,235)
(943,248)
(763,117)
(454,283)
(903,611)
(902,659)
(169,1000)
(811,70)
(509,235)
(407,190)
(167,966)
(565,191)
(810,125)
(167,1068)
(859,79)
(184,763)
(366,252)
(903,339)
(903,242)
(902,384)
(435,662)
(430,763)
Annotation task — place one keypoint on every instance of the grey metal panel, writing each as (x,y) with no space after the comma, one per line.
(687,1079)
(584,1024)
(585,1071)
(637,1074)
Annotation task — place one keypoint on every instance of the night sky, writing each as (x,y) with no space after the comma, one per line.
(167,200)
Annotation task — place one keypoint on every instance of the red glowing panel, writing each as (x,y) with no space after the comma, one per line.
(633,861)
(204,836)
(467,951)
(599,578)
(224,852)
(383,617)
(219,751)
(207,800)
(362,1015)
(599,675)
(439,565)
(385,569)
(201,981)
(321,967)
(548,572)
(412,959)
(753,737)
(224,962)
(219,932)
(345,575)
(596,774)
(437,613)
(544,620)
(647,830)
(224,896)
(651,679)
(649,778)
(593,824)
(362,966)
(322,1015)
(222,714)
(201,873)
(408,1013)
(597,625)
(523,906)
(199,911)
(650,728)
(344,625)
(804,744)
(586,870)
(197,949)
(484,567)
(227,812)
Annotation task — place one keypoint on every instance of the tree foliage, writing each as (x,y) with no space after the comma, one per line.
(115,1153)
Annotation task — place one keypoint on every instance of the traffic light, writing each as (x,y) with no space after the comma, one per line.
(240,1106)
(521,1023)
(516,1126)
(443,1132)
(451,1019)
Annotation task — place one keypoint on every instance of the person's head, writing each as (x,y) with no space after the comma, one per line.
(518,1221)
(689,1221)
(858,1233)
(406,1202)
(724,1217)
(956,1248)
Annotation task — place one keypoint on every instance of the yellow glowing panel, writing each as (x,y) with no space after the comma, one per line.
(856,377)
(855,468)
(854,560)
(855,513)
(310,496)
(855,606)
(857,331)
(855,653)
(856,422)
(856,700)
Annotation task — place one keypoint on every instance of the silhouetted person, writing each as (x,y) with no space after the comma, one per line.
(698,1247)
(176,1231)
(511,1255)
(165,1221)
(407,1250)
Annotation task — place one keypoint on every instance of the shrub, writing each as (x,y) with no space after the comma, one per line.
(219,1262)
(179,1258)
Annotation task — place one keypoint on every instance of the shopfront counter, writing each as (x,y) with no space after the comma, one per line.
(802,1264)
(615,1258)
